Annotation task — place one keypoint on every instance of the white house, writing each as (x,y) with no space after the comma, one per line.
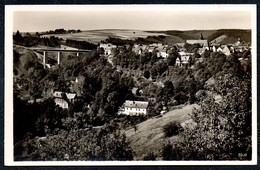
(214,49)
(151,49)
(63,101)
(139,49)
(135,107)
(184,58)
(224,49)
(162,53)
(107,48)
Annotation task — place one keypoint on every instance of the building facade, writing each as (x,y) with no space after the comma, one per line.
(63,99)
(135,108)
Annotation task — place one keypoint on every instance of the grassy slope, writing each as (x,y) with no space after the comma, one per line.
(149,136)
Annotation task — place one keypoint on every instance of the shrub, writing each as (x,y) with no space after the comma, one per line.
(167,152)
(150,157)
(172,128)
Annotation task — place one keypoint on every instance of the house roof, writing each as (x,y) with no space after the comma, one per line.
(201,42)
(58,94)
(182,53)
(162,50)
(70,95)
(136,104)
(201,50)
(106,46)
(134,90)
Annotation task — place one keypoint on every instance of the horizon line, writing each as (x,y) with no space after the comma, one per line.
(130,29)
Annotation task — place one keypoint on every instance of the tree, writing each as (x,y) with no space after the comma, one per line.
(166,92)
(147,74)
(150,157)
(192,90)
(168,87)
(172,57)
(18,37)
(84,144)
(167,152)
(223,130)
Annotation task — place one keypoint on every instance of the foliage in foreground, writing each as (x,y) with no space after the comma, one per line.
(223,130)
(83,144)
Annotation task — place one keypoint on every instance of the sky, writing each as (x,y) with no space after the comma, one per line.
(131,17)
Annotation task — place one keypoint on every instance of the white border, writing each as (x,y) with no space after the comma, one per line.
(8,133)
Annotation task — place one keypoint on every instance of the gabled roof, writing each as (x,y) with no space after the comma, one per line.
(134,90)
(201,50)
(204,43)
(58,94)
(136,104)
(106,46)
(182,53)
(70,95)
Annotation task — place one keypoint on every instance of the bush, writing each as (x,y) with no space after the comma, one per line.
(172,128)
(150,157)
(167,152)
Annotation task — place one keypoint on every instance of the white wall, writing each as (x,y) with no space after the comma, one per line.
(134,111)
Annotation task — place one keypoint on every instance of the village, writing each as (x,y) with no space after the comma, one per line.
(65,99)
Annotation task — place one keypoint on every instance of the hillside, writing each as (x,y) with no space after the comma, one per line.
(149,135)
(231,35)
(171,36)
(222,36)
(23,59)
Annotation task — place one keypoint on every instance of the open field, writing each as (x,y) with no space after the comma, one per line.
(150,137)
(96,36)
(171,36)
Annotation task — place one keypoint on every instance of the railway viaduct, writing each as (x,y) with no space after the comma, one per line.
(59,51)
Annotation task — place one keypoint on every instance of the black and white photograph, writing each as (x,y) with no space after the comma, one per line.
(130,85)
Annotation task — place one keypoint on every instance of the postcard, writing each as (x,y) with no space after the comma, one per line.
(130,85)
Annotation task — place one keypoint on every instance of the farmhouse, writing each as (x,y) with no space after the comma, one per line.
(135,107)
(63,99)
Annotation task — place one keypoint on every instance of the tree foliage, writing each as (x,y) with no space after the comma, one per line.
(223,130)
(91,144)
